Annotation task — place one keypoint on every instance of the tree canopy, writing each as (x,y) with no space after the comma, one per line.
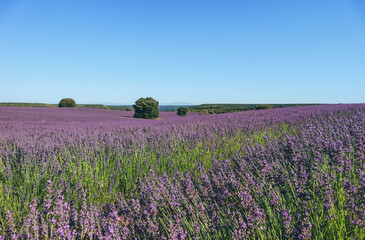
(146,108)
(182,111)
(67,102)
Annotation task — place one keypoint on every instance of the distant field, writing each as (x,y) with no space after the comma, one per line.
(113,107)
(81,173)
(163,108)
(203,108)
(79,116)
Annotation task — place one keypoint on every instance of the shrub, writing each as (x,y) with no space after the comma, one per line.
(182,111)
(67,102)
(146,108)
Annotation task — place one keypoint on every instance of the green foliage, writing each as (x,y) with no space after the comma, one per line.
(228,108)
(182,111)
(18,104)
(263,106)
(221,108)
(67,102)
(100,106)
(146,108)
(120,108)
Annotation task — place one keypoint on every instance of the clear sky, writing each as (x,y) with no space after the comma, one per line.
(183,51)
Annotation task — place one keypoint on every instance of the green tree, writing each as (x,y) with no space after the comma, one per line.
(67,102)
(182,111)
(146,108)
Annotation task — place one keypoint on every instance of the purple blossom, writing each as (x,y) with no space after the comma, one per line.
(230,175)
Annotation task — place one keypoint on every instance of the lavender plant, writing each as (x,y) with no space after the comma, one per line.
(293,173)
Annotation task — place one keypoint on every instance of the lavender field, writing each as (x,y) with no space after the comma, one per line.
(290,173)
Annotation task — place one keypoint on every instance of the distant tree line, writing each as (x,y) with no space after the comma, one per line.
(263,106)
(228,108)
(16,104)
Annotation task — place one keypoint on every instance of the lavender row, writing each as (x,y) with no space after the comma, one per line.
(283,173)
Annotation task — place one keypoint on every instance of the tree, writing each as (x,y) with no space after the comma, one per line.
(146,108)
(67,102)
(182,111)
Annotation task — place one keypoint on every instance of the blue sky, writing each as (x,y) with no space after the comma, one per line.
(187,51)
